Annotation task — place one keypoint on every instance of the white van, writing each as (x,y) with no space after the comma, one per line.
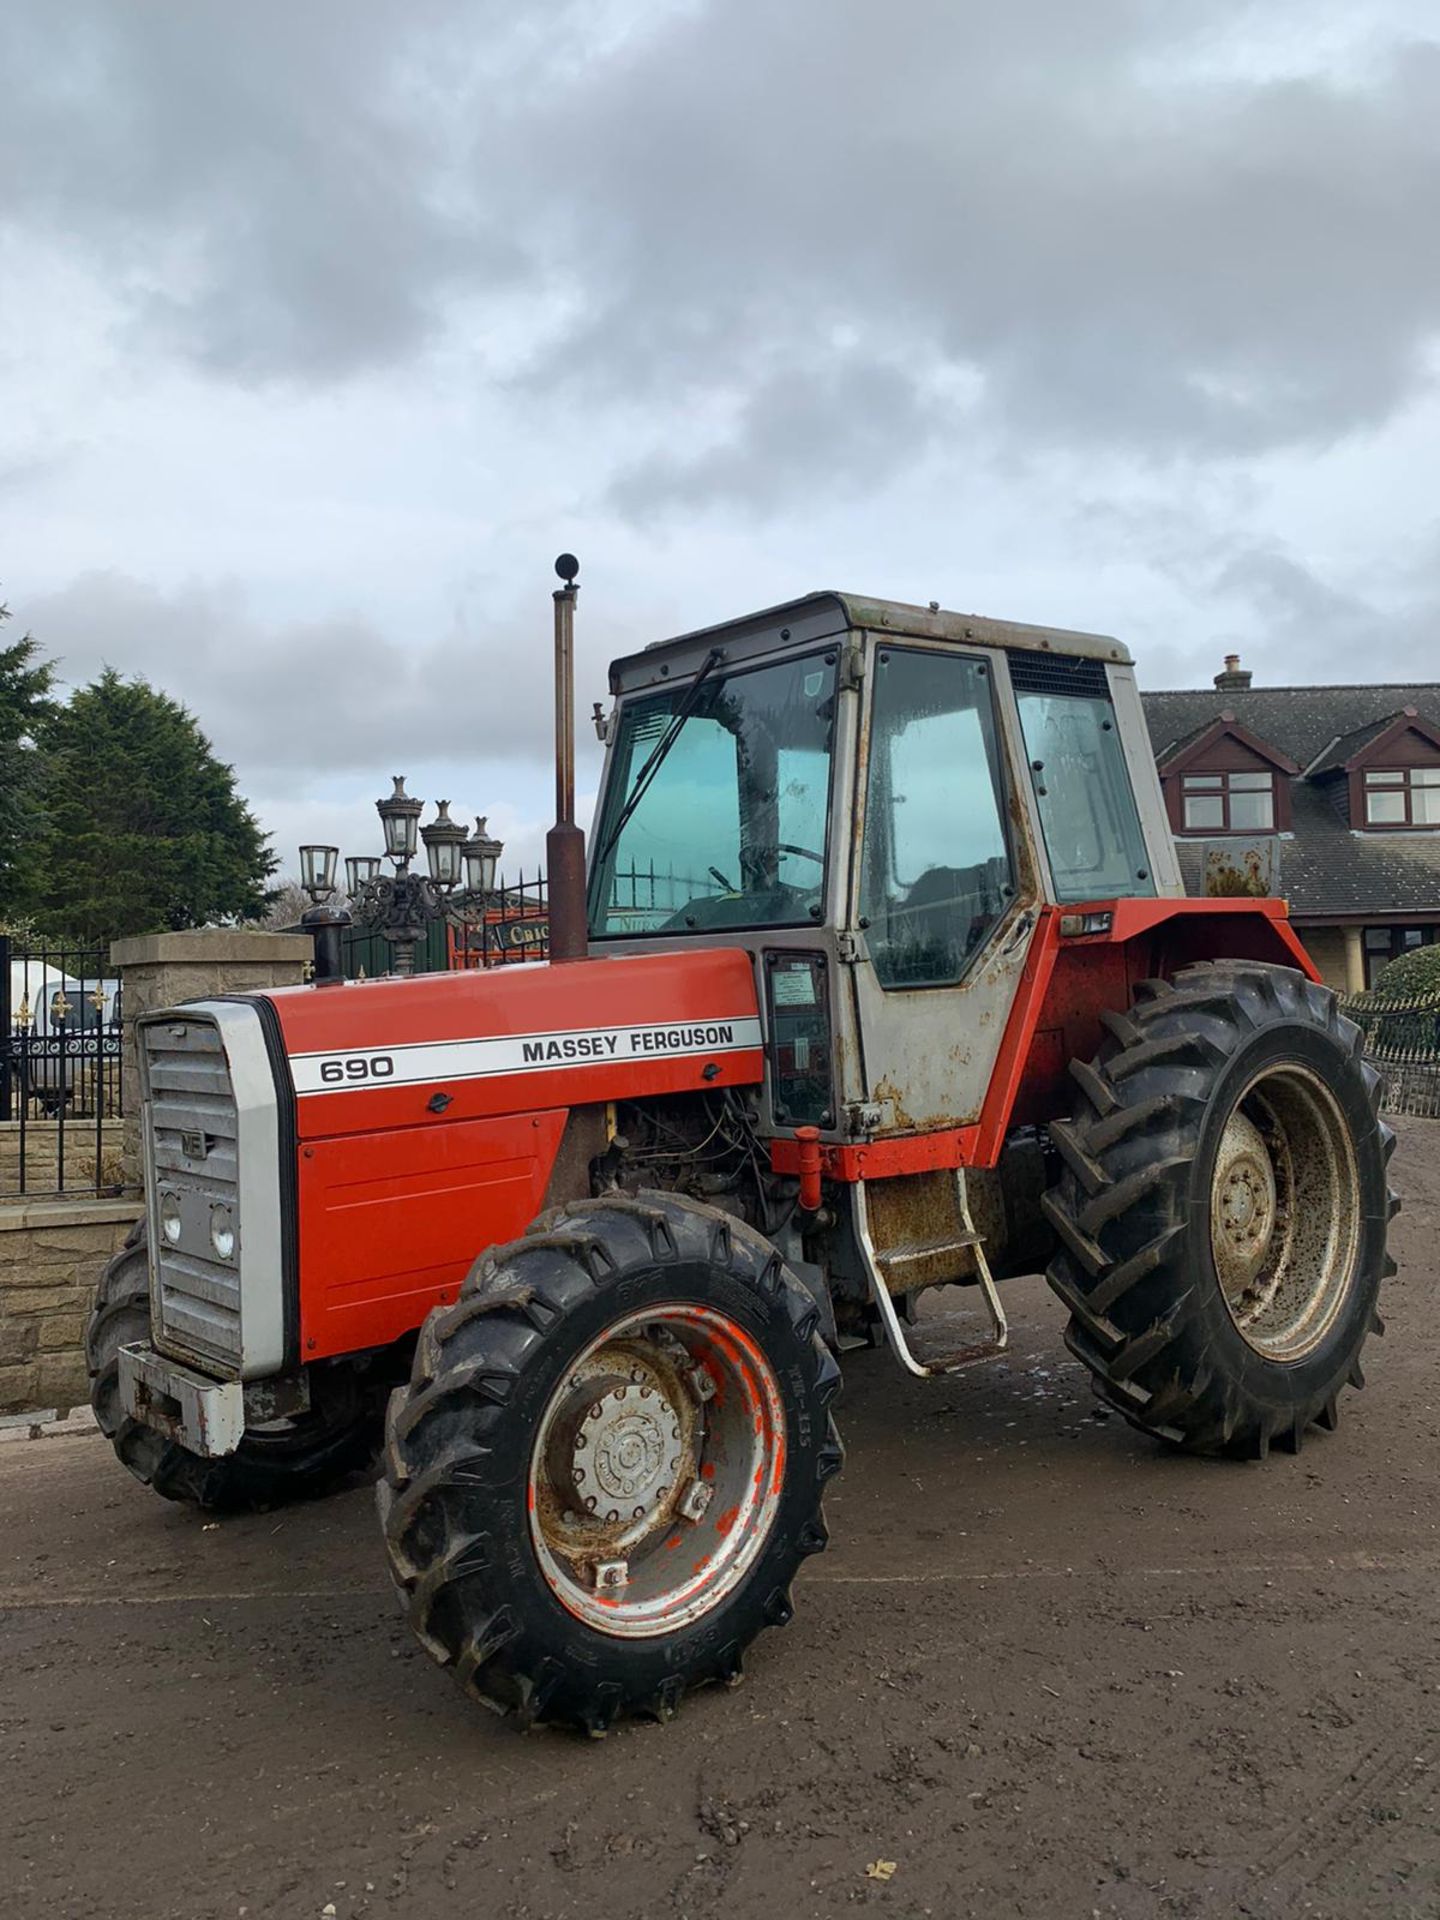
(47,1005)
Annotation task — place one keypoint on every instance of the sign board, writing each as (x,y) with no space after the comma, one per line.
(1236,867)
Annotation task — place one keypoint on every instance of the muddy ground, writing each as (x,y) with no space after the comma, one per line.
(1046,1668)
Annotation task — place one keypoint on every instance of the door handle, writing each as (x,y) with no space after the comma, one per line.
(1021,928)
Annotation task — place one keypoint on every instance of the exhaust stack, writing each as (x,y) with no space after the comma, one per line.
(565,842)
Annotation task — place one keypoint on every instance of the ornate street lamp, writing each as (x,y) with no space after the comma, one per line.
(317,872)
(444,849)
(400,906)
(400,816)
(360,870)
(482,853)
(322,921)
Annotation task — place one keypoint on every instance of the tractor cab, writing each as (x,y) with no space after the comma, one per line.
(884,793)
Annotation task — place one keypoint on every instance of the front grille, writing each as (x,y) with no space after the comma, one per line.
(193,1170)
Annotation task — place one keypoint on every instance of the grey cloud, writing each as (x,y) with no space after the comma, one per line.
(266,181)
(1157,267)
(852,421)
(792,219)
(322,696)
(1301,627)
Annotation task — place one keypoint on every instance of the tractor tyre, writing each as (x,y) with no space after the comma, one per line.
(609,1462)
(1222,1209)
(289,1460)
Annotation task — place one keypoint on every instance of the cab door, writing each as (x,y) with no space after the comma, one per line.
(944,885)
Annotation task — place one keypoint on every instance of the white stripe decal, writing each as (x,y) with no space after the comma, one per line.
(424,1062)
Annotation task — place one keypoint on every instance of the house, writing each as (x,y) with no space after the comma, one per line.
(1343,782)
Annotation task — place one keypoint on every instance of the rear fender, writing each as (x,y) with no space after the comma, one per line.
(1071,979)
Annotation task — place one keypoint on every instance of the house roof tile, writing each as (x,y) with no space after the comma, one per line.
(1326,868)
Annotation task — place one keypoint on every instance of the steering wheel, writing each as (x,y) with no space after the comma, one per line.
(753,857)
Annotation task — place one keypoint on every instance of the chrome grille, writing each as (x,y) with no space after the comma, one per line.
(192,1168)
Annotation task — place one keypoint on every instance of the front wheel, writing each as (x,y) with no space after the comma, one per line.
(288,1460)
(609,1462)
(1223,1208)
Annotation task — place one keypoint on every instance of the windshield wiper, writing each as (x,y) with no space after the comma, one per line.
(658,752)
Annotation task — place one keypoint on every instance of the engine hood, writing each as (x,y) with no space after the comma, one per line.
(518,1039)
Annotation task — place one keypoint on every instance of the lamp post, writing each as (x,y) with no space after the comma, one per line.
(482,852)
(321,921)
(400,906)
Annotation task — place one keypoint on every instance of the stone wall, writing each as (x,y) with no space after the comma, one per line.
(162,969)
(42,1157)
(51,1255)
(52,1250)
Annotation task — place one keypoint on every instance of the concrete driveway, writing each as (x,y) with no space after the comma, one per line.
(1046,1668)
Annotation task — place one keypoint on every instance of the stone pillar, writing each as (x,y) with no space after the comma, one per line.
(163,969)
(1354,960)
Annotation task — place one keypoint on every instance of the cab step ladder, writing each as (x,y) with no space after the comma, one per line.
(967,1239)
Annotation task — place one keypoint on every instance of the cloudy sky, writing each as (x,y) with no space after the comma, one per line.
(325,324)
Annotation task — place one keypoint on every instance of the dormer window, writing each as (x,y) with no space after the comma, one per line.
(1228,802)
(1402,796)
(1225,779)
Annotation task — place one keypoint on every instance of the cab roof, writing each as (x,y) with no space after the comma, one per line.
(821,616)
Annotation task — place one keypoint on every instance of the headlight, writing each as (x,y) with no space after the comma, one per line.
(170,1217)
(222,1233)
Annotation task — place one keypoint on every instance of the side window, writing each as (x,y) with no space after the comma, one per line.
(1087,805)
(935,868)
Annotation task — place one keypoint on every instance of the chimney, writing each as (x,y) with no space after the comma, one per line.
(1235,678)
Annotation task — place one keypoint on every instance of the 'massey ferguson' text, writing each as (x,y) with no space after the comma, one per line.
(636,1040)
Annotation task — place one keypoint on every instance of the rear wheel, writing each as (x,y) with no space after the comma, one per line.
(287,1460)
(609,1462)
(1223,1210)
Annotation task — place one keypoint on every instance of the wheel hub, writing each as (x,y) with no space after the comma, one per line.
(1243,1208)
(626,1452)
(657,1470)
(1284,1212)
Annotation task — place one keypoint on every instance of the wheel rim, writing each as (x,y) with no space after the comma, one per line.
(657,1470)
(1285,1212)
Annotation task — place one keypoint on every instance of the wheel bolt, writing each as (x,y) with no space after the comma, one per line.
(700,1384)
(697,1499)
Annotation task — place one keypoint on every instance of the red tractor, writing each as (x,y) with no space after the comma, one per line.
(880,980)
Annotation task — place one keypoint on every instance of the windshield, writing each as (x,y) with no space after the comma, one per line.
(730,828)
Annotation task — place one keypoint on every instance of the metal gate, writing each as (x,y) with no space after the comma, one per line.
(60,1100)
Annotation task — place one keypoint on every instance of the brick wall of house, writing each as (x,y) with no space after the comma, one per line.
(1326,947)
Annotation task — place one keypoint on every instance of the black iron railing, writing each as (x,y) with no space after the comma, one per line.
(60,1100)
(516,926)
(1402,1041)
